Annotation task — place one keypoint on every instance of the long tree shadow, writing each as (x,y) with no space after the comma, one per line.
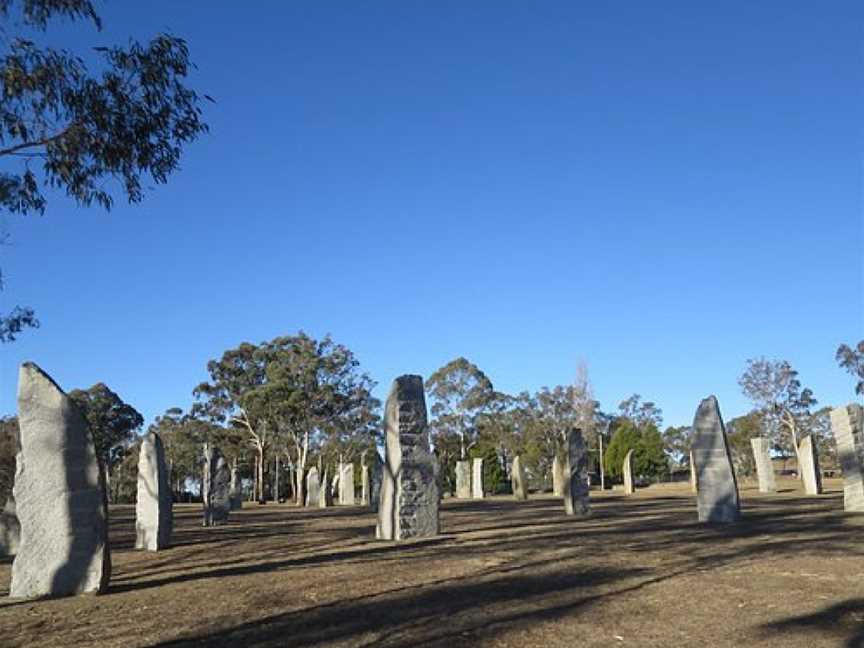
(844,620)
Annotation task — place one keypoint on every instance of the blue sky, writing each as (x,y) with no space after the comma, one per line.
(662,190)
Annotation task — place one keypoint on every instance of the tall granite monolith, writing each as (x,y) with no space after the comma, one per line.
(627,469)
(346,484)
(576,498)
(215,487)
(153,514)
(463,479)
(717,495)
(10,528)
(364,485)
(409,490)
(313,488)
(236,488)
(517,479)
(372,481)
(59,495)
(847,424)
(325,492)
(808,465)
(557,476)
(477,478)
(764,467)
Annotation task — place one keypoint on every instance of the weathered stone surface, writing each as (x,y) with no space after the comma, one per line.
(693,486)
(236,490)
(557,476)
(364,485)
(517,479)
(576,498)
(409,491)
(346,484)
(847,424)
(477,478)
(764,467)
(215,487)
(463,479)
(371,476)
(629,488)
(59,494)
(10,529)
(153,514)
(717,495)
(313,488)
(325,492)
(809,466)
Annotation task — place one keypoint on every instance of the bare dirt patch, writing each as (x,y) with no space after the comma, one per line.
(640,571)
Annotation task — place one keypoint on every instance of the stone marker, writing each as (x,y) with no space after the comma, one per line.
(59,495)
(409,491)
(576,500)
(477,479)
(764,467)
(215,487)
(693,486)
(236,488)
(372,481)
(10,529)
(629,489)
(557,477)
(313,488)
(325,493)
(517,479)
(364,485)
(346,484)
(809,466)
(717,496)
(153,515)
(847,424)
(463,479)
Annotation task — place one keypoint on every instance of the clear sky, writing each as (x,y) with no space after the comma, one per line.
(662,189)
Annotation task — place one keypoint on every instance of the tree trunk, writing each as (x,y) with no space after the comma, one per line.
(261,473)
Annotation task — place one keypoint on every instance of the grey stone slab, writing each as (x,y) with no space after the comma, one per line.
(809,466)
(313,488)
(346,484)
(517,479)
(557,476)
(717,495)
(236,490)
(409,491)
(463,479)
(477,478)
(372,481)
(693,484)
(59,495)
(764,467)
(10,529)
(629,488)
(215,487)
(847,425)
(576,493)
(153,506)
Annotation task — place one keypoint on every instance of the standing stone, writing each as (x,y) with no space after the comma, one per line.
(409,492)
(576,473)
(764,467)
(629,489)
(557,477)
(325,494)
(477,479)
(717,496)
(364,485)
(371,478)
(346,484)
(59,494)
(517,479)
(693,486)
(463,479)
(313,488)
(847,424)
(236,490)
(10,529)
(809,466)
(153,521)
(215,487)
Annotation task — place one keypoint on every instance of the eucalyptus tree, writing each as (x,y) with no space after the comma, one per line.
(852,360)
(121,119)
(113,423)
(641,413)
(460,392)
(774,388)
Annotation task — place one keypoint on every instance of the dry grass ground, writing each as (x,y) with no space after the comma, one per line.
(640,571)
